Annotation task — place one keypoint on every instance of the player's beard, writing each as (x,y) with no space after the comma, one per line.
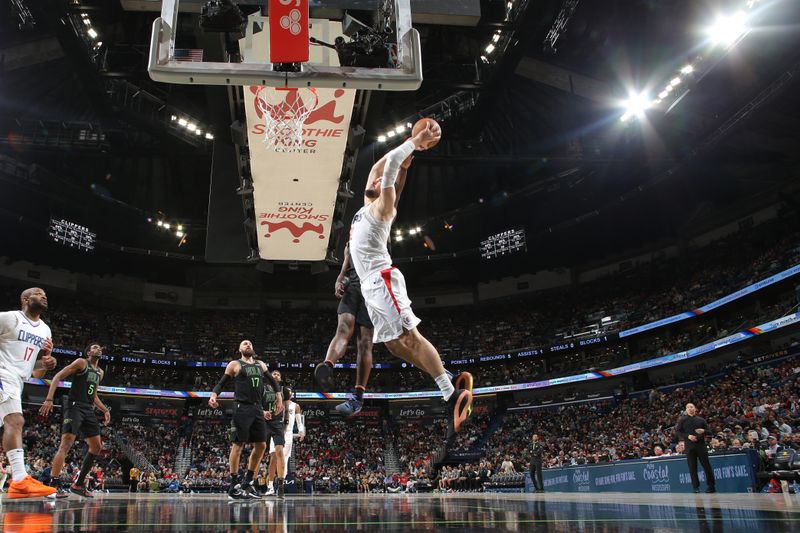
(36,306)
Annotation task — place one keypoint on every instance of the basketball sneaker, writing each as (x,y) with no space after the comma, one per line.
(459,408)
(323,373)
(279,488)
(59,494)
(29,488)
(251,492)
(351,407)
(236,493)
(80,490)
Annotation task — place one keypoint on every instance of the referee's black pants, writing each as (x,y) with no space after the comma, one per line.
(700,453)
(536,473)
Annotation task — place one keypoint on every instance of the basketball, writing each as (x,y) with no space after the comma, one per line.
(421,124)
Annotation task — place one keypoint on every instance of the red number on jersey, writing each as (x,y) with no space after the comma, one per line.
(28,353)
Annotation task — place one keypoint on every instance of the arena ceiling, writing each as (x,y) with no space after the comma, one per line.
(542,146)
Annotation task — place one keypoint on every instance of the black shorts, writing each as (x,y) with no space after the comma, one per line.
(80,420)
(352,303)
(248,424)
(276,430)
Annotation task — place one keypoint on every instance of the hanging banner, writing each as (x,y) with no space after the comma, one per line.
(295,190)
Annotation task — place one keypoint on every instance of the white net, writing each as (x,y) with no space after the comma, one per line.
(284,112)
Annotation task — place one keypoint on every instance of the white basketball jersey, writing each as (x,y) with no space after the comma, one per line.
(20,342)
(369,243)
(291,409)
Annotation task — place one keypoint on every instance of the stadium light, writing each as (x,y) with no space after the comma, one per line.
(675,81)
(496,37)
(166,225)
(160,223)
(490,48)
(398,238)
(726,29)
(209,136)
(179,233)
(92,33)
(191,126)
(635,106)
(381,138)
(180,227)
(663,94)
(688,69)
(400,129)
(412,231)
(182,122)
(390,133)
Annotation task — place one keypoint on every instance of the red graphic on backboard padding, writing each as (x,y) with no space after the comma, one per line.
(294,229)
(323,112)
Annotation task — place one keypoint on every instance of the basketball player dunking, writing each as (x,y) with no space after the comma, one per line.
(257,399)
(25,350)
(383,286)
(78,418)
(352,312)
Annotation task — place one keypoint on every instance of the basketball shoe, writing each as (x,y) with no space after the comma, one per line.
(29,488)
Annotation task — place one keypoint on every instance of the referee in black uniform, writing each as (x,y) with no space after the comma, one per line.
(256,400)
(692,430)
(536,450)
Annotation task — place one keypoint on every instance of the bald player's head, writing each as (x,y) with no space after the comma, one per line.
(33,300)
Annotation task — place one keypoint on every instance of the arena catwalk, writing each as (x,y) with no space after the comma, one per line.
(453,512)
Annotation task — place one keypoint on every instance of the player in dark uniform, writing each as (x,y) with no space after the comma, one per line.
(352,311)
(257,400)
(277,464)
(79,417)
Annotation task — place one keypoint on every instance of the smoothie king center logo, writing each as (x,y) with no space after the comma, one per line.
(312,132)
(298,218)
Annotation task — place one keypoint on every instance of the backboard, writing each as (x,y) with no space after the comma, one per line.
(164,67)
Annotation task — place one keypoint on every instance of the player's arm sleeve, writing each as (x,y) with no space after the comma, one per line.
(221,383)
(394,160)
(301,428)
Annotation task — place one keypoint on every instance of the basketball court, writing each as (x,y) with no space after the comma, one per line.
(415,512)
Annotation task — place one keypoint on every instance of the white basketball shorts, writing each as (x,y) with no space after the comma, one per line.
(388,304)
(10,395)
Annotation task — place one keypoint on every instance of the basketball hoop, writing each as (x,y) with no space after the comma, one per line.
(284,112)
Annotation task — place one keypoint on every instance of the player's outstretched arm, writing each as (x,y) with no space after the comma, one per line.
(78,365)
(385,204)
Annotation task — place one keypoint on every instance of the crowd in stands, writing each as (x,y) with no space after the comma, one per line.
(746,407)
(757,408)
(645,293)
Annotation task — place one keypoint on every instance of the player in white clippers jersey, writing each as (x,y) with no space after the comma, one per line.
(384,288)
(25,350)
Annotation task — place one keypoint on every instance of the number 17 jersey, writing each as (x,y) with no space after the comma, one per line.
(20,342)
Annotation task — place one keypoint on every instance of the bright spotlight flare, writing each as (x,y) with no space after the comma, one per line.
(727,29)
(635,106)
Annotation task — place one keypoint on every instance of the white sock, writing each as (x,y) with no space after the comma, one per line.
(269,484)
(445,385)
(16,458)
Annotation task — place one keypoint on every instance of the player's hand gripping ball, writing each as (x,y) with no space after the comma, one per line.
(430,130)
